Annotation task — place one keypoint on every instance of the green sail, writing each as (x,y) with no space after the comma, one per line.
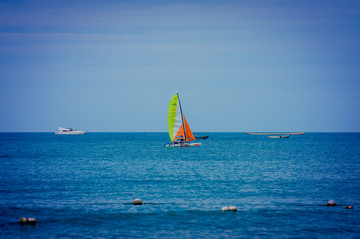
(174,116)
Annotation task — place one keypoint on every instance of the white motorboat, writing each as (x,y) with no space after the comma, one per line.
(62,130)
(279,136)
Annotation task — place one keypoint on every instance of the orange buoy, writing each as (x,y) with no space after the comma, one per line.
(23,220)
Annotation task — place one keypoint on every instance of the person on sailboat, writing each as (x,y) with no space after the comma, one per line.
(182,141)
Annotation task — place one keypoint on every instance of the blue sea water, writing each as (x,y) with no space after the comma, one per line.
(83,185)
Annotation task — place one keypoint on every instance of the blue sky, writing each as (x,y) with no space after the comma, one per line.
(112,66)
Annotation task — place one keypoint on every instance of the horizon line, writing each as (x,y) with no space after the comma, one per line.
(244,132)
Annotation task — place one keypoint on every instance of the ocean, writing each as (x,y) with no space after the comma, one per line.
(83,186)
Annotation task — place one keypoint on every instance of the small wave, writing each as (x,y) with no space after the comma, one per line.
(5,156)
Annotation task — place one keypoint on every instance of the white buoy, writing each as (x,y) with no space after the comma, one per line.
(225,209)
(233,208)
(137,201)
(331,203)
(32,221)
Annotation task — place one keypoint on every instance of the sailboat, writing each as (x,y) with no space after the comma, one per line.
(179,130)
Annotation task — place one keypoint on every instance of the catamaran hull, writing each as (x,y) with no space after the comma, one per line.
(183,145)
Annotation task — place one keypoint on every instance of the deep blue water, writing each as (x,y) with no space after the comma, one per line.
(83,186)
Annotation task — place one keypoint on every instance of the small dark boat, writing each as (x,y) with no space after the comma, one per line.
(279,137)
(201,137)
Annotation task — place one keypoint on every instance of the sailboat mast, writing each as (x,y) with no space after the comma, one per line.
(182,117)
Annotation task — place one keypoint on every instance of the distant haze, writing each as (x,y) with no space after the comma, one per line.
(112,66)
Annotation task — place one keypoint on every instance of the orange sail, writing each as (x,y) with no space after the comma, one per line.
(180,133)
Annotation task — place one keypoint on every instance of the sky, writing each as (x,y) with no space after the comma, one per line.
(240,66)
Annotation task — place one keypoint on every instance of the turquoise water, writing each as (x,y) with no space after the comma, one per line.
(83,186)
